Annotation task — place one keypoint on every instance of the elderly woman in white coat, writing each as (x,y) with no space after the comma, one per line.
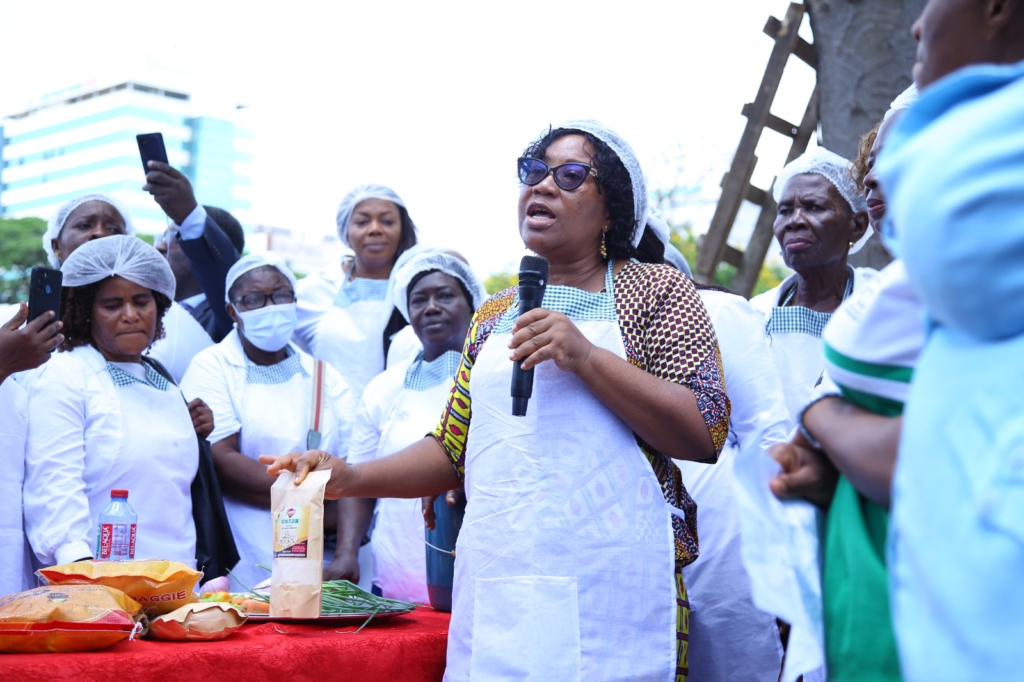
(437,293)
(102,417)
(346,316)
(261,390)
(822,218)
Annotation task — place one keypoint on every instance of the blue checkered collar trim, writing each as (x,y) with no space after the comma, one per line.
(423,375)
(799,320)
(153,378)
(574,303)
(280,373)
(361,289)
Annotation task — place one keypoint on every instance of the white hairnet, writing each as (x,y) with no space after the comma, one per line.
(60,216)
(660,228)
(426,259)
(629,160)
(252,262)
(904,100)
(835,169)
(357,195)
(121,255)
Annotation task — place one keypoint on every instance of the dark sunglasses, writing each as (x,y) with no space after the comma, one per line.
(568,176)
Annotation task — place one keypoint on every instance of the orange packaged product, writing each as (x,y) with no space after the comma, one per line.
(160,586)
(67,618)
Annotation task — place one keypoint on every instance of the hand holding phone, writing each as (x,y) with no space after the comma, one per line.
(151,148)
(170,187)
(44,292)
(26,347)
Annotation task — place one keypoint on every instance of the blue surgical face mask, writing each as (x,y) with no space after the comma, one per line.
(269,328)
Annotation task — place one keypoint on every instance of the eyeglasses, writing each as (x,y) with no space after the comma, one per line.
(258,299)
(568,176)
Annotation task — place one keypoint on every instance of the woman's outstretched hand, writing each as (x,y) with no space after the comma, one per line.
(312,460)
(541,335)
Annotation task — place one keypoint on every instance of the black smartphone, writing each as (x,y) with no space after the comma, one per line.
(44,292)
(151,148)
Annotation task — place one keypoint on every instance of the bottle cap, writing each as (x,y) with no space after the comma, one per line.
(119,493)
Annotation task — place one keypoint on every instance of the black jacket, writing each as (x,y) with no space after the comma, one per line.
(211,256)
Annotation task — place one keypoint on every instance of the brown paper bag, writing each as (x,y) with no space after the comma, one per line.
(298,527)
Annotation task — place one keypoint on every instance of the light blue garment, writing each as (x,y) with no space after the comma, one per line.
(953,169)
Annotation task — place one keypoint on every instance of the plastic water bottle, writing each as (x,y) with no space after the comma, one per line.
(115,537)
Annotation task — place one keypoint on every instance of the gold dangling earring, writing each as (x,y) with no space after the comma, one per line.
(604,248)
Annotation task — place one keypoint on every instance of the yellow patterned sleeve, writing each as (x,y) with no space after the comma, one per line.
(452,431)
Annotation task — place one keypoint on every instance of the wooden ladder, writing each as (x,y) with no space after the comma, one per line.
(736,188)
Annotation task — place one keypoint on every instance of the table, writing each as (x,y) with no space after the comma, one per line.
(408,648)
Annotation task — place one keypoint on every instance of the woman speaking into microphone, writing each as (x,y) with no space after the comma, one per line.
(577,523)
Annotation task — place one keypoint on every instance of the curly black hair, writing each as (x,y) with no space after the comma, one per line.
(613,182)
(76,314)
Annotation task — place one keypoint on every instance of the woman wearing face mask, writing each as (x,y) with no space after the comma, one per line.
(438,293)
(260,389)
(346,316)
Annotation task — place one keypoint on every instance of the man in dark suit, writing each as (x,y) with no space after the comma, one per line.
(201,246)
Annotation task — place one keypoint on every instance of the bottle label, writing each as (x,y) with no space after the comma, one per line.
(106,532)
(131,547)
(291,532)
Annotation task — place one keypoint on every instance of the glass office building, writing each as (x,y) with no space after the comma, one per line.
(82,139)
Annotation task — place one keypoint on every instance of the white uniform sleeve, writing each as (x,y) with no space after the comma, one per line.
(751,380)
(404,347)
(314,297)
(341,401)
(57,517)
(366,430)
(207,379)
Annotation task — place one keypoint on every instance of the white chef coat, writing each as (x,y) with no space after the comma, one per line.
(14,567)
(794,335)
(730,638)
(399,407)
(183,338)
(269,407)
(89,434)
(342,321)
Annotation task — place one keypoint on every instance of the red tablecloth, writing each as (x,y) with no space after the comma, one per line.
(408,648)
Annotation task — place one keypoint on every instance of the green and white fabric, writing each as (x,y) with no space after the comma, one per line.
(873,340)
(871,348)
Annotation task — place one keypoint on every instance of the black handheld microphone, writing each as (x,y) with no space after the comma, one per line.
(533,278)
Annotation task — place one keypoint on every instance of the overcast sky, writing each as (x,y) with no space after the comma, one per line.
(437,99)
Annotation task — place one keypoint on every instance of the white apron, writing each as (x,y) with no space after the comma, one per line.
(275,420)
(566,555)
(397,542)
(794,336)
(157,462)
(350,335)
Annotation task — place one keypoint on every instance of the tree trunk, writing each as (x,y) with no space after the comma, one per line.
(865,54)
